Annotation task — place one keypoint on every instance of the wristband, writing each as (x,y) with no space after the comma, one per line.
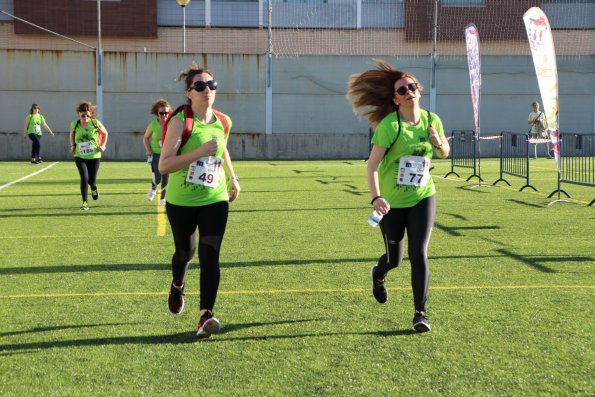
(235,178)
(374,199)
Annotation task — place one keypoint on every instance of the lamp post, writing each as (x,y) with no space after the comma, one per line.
(183,4)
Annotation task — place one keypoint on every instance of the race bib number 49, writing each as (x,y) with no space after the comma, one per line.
(86,148)
(414,171)
(205,171)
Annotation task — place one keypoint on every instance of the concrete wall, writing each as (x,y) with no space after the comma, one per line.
(311,117)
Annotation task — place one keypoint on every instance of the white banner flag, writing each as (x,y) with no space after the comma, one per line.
(541,41)
(474,61)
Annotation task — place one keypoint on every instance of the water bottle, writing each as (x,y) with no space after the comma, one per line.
(374,219)
(150,159)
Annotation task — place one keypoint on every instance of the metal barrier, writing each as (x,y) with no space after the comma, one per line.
(463,152)
(514,157)
(577,161)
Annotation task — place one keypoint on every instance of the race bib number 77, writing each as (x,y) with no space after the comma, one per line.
(414,171)
(205,171)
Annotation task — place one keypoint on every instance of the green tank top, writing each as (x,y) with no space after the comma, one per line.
(86,139)
(156,131)
(411,141)
(34,123)
(188,194)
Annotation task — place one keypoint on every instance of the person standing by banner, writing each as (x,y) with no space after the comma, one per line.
(401,187)
(33,124)
(541,41)
(538,123)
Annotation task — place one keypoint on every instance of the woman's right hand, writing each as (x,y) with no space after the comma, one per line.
(381,206)
(209,148)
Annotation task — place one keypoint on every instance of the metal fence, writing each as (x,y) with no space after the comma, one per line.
(463,153)
(514,157)
(577,161)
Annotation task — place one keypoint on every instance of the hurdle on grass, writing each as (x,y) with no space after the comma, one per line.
(514,157)
(577,162)
(463,152)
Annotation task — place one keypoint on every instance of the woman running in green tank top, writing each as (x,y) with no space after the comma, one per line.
(197,193)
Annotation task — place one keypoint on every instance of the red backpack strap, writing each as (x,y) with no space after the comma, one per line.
(224,121)
(188,115)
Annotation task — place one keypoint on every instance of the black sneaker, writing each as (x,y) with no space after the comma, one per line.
(39,160)
(379,286)
(175,300)
(95,194)
(208,325)
(421,323)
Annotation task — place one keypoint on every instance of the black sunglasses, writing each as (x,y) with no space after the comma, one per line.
(409,87)
(163,113)
(202,85)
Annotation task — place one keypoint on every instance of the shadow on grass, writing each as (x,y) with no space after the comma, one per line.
(454,231)
(100,181)
(526,203)
(77,194)
(75,211)
(188,337)
(302,209)
(58,328)
(473,188)
(125,267)
(150,211)
(456,216)
(535,261)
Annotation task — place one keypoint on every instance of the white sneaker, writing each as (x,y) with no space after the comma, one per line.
(162,202)
(151,194)
(208,325)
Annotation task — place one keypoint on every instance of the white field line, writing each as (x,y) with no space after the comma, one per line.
(28,176)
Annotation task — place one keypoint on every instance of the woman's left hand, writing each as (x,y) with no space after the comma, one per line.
(235,190)
(435,139)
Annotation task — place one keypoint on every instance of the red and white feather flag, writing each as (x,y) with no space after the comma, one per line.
(541,42)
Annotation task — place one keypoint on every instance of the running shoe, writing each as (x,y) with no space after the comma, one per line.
(379,286)
(175,300)
(208,325)
(84,207)
(151,194)
(95,194)
(421,323)
(162,202)
(39,160)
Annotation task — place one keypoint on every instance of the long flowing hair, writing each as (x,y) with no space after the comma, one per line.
(372,92)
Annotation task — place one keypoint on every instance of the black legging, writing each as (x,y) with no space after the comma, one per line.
(88,172)
(418,220)
(211,221)
(157,177)
(36,146)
